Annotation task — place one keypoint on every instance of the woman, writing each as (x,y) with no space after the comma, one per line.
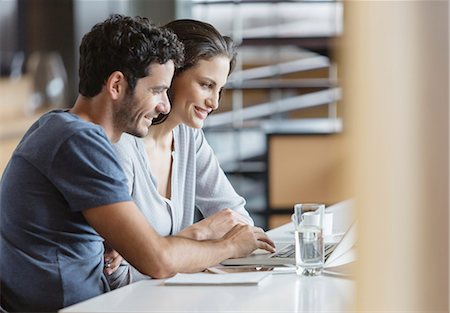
(173,169)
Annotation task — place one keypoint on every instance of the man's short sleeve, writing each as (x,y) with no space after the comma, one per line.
(86,171)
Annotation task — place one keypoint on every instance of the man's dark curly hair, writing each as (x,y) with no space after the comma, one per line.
(202,41)
(125,44)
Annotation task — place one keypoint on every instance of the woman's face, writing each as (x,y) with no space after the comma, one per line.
(196,91)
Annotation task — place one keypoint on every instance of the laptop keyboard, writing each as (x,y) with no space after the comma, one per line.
(289,251)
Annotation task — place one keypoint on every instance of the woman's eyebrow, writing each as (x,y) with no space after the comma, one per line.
(212,81)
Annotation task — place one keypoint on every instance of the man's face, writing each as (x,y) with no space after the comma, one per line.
(136,112)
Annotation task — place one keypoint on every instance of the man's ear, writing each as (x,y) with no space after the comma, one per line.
(116,85)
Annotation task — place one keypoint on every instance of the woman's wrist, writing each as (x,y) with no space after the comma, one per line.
(196,232)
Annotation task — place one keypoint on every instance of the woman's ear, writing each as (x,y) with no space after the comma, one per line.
(116,84)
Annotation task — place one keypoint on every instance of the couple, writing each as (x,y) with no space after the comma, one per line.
(67,186)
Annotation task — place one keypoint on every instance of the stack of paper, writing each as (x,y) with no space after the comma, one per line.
(217,279)
(344,252)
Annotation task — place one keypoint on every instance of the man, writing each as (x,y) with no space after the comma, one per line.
(64,188)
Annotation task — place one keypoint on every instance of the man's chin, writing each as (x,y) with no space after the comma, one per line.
(138,133)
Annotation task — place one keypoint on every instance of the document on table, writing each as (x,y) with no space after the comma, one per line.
(345,251)
(217,279)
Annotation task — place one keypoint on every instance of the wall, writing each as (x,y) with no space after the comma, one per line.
(305,168)
(396,87)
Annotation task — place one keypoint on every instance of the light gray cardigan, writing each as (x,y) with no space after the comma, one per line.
(197,180)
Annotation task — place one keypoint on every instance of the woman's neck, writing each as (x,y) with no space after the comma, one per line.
(161,134)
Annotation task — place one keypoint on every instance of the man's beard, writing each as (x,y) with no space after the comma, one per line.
(124,119)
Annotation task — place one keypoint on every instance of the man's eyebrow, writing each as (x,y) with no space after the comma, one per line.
(159,87)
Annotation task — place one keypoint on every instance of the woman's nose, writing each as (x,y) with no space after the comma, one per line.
(213,102)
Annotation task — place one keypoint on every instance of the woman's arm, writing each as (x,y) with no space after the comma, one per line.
(216,199)
(214,191)
(214,226)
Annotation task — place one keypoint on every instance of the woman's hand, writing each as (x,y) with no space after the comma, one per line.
(112,260)
(214,226)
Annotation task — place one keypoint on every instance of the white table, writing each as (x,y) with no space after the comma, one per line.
(278,293)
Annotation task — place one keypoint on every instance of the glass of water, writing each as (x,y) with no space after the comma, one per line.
(309,248)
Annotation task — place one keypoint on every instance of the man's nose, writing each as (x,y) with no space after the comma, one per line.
(164,106)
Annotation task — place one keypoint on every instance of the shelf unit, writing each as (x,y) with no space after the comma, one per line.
(284,75)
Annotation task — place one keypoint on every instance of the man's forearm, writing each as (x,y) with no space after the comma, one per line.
(128,232)
(186,255)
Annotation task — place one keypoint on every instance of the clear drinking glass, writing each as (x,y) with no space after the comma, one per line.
(309,247)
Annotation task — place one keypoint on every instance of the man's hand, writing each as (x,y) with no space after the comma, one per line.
(214,226)
(245,239)
(141,245)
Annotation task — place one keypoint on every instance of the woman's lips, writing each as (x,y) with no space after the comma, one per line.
(201,113)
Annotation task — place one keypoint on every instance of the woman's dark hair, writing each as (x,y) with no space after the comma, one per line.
(125,44)
(201,42)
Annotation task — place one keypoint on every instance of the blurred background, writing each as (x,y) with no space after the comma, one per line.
(330,100)
(281,101)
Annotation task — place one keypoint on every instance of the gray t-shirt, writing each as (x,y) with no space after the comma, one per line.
(50,257)
(197,181)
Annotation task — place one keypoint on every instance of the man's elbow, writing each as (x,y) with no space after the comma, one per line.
(162,272)
(163,267)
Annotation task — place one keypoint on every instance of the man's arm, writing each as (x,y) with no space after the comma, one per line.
(161,257)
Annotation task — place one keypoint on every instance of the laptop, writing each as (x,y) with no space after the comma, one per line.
(336,253)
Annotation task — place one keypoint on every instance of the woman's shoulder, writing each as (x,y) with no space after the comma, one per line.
(187,134)
(185,130)
(191,136)
(126,139)
(127,144)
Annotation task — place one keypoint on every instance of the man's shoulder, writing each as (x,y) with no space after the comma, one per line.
(66,122)
(56,126)
(52,130)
